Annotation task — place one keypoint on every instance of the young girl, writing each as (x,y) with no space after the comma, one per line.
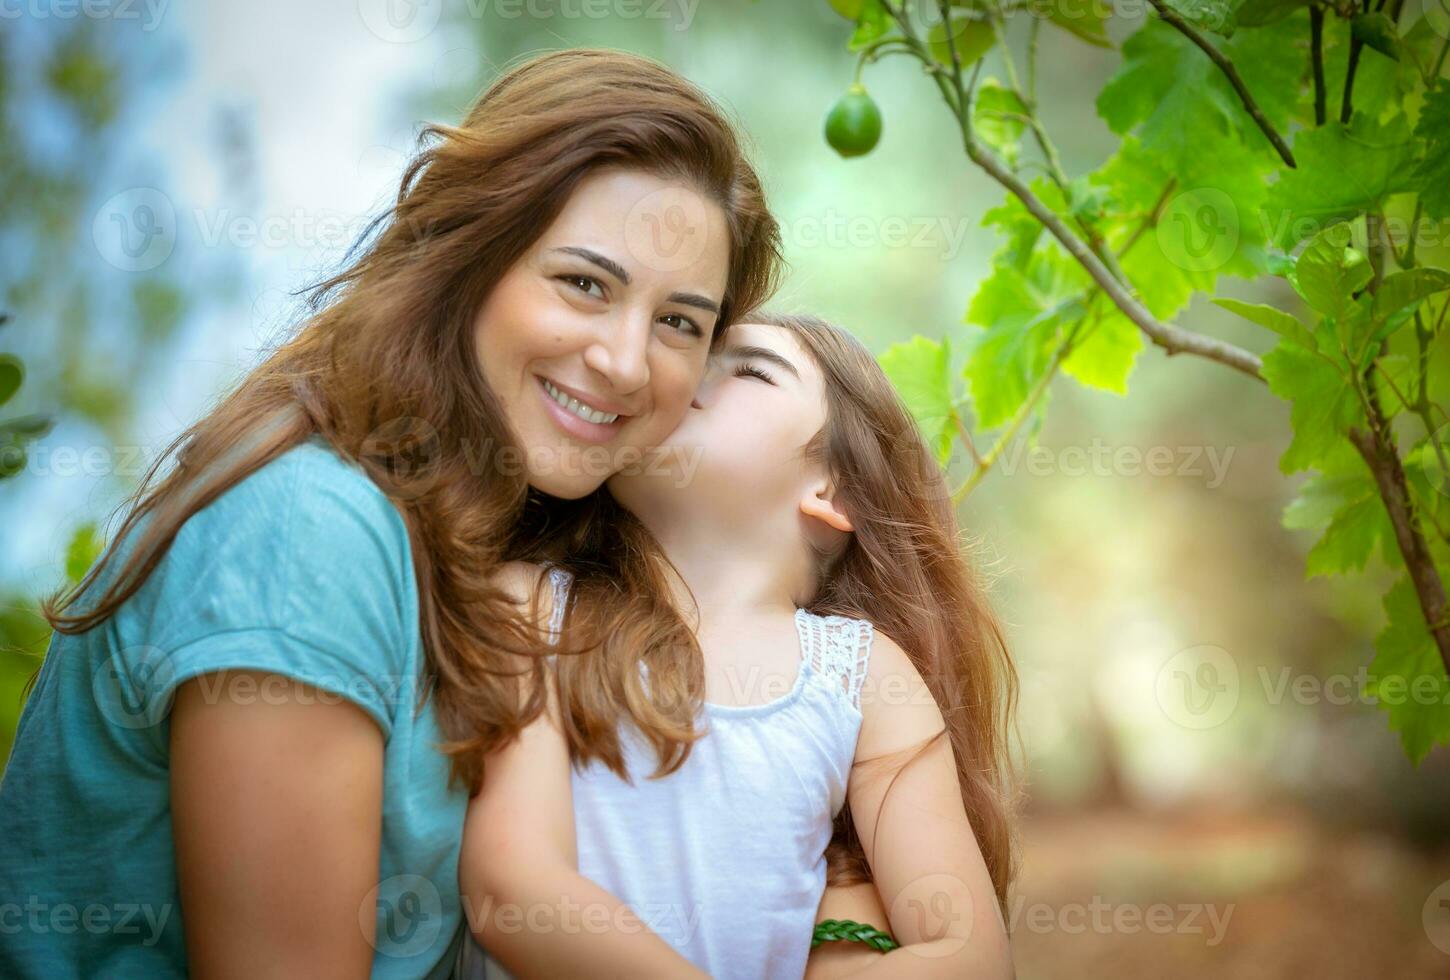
(776,630)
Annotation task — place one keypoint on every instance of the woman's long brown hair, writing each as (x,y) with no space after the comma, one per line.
(385,366)
(906,569)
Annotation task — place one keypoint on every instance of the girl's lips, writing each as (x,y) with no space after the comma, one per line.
(595,433)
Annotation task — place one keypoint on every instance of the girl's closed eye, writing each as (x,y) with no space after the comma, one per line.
(750,370)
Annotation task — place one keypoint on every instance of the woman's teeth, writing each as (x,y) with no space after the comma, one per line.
(574,405)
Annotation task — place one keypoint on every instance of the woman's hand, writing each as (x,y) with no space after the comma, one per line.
(276,810)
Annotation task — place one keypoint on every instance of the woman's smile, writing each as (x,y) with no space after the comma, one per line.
(581,416)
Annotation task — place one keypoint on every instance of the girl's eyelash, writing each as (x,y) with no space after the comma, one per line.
(754,372)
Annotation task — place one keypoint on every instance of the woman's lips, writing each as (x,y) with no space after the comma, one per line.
(578,428)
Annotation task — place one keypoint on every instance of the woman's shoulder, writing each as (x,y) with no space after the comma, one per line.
(309,494)
(305,538)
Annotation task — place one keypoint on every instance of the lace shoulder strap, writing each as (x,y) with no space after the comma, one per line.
(838,648)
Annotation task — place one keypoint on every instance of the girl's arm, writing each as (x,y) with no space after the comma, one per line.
(923,855)
(858,903)
(523,896)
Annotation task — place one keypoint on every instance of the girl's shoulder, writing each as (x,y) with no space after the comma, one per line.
(838,647)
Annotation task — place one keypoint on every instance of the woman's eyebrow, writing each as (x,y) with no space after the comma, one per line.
(619,272)
(695,299)
(748,352)
(604,262)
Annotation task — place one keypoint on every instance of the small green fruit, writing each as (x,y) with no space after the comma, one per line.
(853,126)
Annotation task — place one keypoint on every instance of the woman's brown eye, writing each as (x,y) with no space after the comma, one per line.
(683,324)
(584,284)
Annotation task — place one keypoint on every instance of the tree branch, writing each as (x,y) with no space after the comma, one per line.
(1316,49)
(1389,477)
(1171,17)
(1172,339)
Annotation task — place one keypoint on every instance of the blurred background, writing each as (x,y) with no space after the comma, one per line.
(171,174)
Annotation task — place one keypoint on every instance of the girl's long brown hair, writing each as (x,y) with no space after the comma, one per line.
(385,367)
(906,569)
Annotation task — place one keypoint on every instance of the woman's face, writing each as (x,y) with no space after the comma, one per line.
(595,340)
(738,456)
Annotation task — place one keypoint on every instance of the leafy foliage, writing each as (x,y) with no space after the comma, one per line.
(1249,147)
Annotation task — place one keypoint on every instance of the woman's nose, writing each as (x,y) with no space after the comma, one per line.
(622,354)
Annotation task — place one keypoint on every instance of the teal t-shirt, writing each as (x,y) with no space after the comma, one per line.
(301,569)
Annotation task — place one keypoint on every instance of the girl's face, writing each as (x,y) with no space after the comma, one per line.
(738,456)
(596,339)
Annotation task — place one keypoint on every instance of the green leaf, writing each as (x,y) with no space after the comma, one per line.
(1342,172)
(971,36)
(1408,288)
(82,551)
(1082,18)
(1408,676)
(1283,324)
(1325,494)
(1322,403)
(918,368)
(1394,303)
(872,22)
(1161,87)
(1210,15)
(1351,536)
(12,374)
(26,427)
(1023,230)
(1376,30)
(1022,311)
(849,9)
(1104,357)
(991,117)
(1330,271)
(1260,13)
(1432,176)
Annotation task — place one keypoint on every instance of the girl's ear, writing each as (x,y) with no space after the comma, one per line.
(821,502)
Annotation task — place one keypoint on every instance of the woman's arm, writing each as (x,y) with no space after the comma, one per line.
(276,809)
(858,903)
(524,898)
(923,855)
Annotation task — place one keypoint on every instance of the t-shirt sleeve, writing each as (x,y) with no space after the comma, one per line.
(300,570)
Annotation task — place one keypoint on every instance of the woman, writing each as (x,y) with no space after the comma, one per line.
(232,753)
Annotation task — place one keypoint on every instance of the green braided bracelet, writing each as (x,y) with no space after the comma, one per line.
(830,930)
